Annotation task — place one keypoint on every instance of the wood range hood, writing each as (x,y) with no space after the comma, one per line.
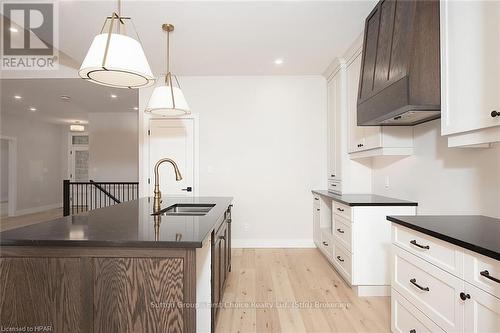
(400,74)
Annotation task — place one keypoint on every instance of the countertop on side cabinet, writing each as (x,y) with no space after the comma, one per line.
(477,233)
(364,199)
(129,224)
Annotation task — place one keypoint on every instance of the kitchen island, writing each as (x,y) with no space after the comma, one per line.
(119,269)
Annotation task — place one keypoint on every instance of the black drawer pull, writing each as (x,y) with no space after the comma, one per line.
(495,114)
(414,282)
(340,259)
(464,296)
(425,247)
(333,176)
(325,243)
(413,331)
(334,185)
(340,231)
(316,198)
(340,209)
(487,275)
(318,209)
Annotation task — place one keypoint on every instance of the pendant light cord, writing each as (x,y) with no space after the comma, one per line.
(168,51)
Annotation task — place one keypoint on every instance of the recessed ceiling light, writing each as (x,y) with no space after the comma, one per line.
(279,61)
(135,108)
(12,29)
(32,109)
(113,96)
(17,97)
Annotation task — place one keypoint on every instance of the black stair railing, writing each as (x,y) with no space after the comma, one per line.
(81,197)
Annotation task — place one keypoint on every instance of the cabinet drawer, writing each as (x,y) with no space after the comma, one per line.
(335,186)
(326,244)
(342,232)
(482,272)
(435,251)
(342,210)
(407,318)
(343,262)
(433,291)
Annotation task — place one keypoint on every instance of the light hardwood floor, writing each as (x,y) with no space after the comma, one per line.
(7,223)
(295,275)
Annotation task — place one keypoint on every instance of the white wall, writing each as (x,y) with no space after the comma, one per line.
(262,141)
(39,171)
(113,146)
(443,180)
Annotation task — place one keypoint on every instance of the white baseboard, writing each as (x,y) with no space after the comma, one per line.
(37,209)
(273,243)
(368,291)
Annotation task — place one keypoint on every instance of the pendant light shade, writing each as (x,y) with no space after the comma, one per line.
(115,59)
(168,99)
(161,100)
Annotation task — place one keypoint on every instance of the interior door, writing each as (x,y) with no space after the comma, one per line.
(172,138)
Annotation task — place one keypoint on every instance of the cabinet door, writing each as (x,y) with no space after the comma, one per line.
(316,225)
(372,137)
(356,135)
(482,311)
(470,65)
(369,54)
(331,129)
(339,99)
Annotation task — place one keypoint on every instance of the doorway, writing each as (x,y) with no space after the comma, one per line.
(175,139)
(8,181)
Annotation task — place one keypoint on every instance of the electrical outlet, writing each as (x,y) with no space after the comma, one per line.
(386,184)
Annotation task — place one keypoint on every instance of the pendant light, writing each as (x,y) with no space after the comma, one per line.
(167,99)
(115,59)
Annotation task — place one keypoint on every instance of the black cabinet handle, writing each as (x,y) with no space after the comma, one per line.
(340,259)
(316,198)
(487,275)
(464,296)
(318,209)
(333,176)
(414,282)
(325,243)
(340,230)
(495,113)
(187,189)
(340,209)
(414,242)
(413,331)
(334,185)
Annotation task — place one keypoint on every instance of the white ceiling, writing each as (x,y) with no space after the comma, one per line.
(44,95)
(226,38)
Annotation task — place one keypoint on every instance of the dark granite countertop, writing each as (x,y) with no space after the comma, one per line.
(365,199)
(129,224)
(477,233)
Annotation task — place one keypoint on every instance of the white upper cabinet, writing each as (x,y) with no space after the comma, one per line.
(356,133)
(470,72)
(335,88)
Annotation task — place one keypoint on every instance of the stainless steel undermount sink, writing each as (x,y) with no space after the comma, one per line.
(182,209)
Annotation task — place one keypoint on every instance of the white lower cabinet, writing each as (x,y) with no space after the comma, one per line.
(356,241)
(432,290)
(482,311)
(442,287)
(406,318)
